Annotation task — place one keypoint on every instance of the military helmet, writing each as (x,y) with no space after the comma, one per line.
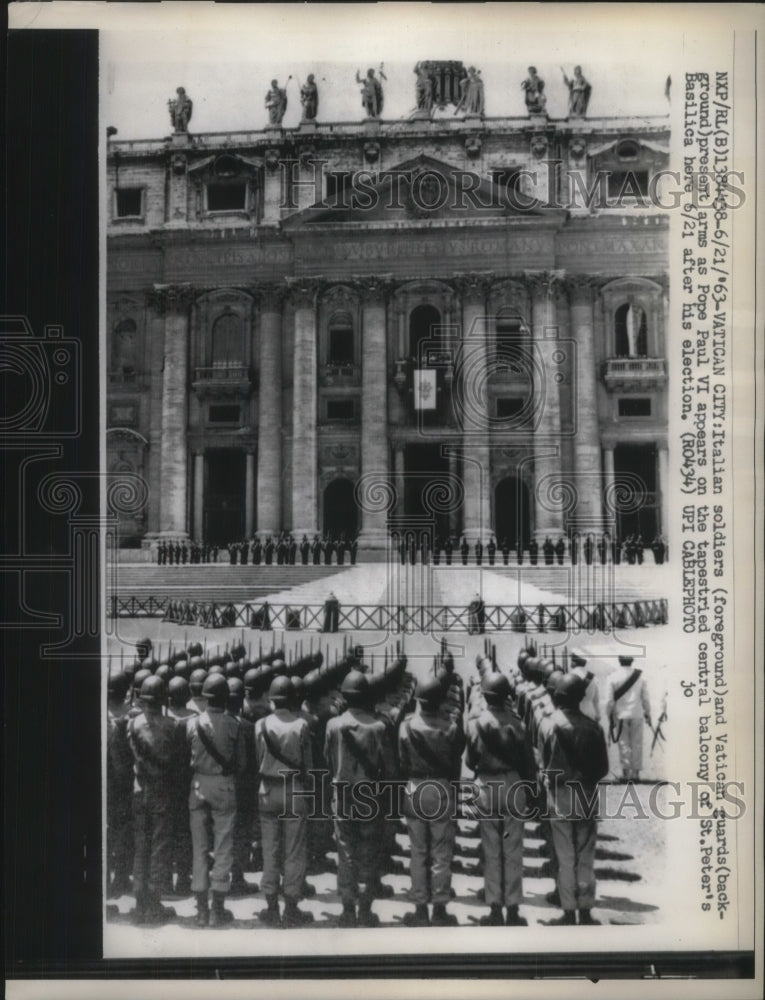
(239,652)
(182,668)
(235,692)
(233,668)
(280,691)
(197,663)
(495,687)
(355,686)
(278,667)
(195,649)
(118,684)
(553,680)
(165,671)
(217,668)
(149,663)
(139,677)
(570,690)
(430,691)
(178,691)
(251,679)
(197,680)
(215,689)
(153,691)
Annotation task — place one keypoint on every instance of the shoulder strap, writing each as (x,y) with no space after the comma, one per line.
(140,747)
(276,752)
(227,766)
(627,684)
(370,768)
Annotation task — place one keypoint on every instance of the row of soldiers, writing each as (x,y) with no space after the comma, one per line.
(282,550)
(224,753)
(588,549)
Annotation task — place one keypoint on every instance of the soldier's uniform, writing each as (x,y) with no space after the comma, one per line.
(499,756)
(283,746)
(628,708)
(357,751)
(182,853)
(430,750)
(119,787)
(590,703)
(217,757)
(575,758)
(158,748)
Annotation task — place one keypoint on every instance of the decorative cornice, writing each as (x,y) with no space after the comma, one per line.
(474,286)
(581,287)
(171,298)
(303,291)
(373,289)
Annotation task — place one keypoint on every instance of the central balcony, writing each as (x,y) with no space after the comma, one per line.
(630,374)
(231,381)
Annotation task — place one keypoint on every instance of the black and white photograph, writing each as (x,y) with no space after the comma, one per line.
(424,487)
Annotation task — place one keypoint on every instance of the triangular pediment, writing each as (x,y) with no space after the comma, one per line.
(422,189)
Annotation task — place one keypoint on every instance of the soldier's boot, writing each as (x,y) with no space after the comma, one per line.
(155,912)
(514,919)
(419,918)
(348,917)
(567,919)
(441,918)
(308,891)
(139,913)
(293,916)
(183,886)
(366,917)
(553,898)
(585,917)
(219,915)
(120,886)
(381,890)
(494,917)
(239,884)
(271,916)
(203,910)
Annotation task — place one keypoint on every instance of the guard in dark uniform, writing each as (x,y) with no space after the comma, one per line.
(548,550)
(329,548)
(491,550)
(560,551)
(603,549)
(305,549)
(357,750)
(269,551)
(478,552)
(574,752)
(533,551)
(341,549)
(464,550)
(500,757)
(119,787)
(505,552)
(430,750)
(448,549)
(316,550)
(354,550)
(292,548)
(217,757)
(281,551)
(159,754)
(639,549)
(519,551)
(589,548)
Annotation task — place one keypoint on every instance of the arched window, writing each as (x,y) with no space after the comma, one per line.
(227,341)
(424,323)
(125,351)
(630,331)
(340,345)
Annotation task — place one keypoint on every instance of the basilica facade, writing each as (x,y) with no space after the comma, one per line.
(451,322)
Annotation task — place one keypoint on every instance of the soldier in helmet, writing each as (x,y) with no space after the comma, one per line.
(575,758)
(358,753)
(177,697)
(217,757)
(197,702)
(500,757)
(430,751)
(119,786)
(158,750)
(283,746)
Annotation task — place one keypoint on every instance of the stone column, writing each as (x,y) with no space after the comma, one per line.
(269,492)
(174,301)
(374,410)
(249,494)
(664,488)
(609,514)
(304,405)
(589,510)
(199,495)
(398,477)
(547,450)
(476,463)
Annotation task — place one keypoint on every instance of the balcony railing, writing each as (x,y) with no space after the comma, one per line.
(340,374)
(223,380)
(634,373)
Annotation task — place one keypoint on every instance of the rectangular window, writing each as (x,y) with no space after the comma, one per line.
(129,203)
(509,406)
(221,414)
(629,407)
(226,197)
(340,345)
(627,184)
(341,409)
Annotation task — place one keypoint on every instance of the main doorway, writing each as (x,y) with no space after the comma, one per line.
(512,519)
(224,496)
(635,466)
(427,484)
(341,515)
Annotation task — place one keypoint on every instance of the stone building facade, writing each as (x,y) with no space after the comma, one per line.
(347,327)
